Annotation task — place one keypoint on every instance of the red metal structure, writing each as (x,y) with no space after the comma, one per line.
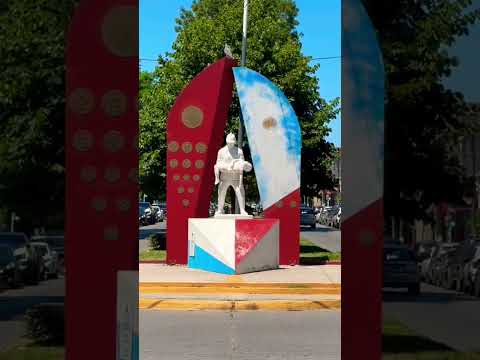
(287,210)
(101,166)
(195,132)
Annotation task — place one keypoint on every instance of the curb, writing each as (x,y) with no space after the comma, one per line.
(240,288)
(165,263)
(238,305)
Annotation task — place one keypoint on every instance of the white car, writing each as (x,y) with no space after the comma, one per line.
(50,259)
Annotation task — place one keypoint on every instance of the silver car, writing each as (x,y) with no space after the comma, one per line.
(49,257)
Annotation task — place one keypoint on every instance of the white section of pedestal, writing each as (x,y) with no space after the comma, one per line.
(264,256)
(232,216)
(215,236)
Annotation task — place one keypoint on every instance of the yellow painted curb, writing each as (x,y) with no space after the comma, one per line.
(234,290)
(240,288)
(240,284)
(238,305)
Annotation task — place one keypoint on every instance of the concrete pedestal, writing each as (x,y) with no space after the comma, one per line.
(233,245)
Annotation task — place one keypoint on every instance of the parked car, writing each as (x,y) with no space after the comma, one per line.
(400,268)
(156,213)
(444,259)
(163,207)
(475,278)
(159,216)
(332,213)
(27,257)
(322,215)
(307,217)
(470,271)
(425,262)
(50,259)
(10,269)
(337,219)
(434,263)
(146,215)
(56,243)
(454,274)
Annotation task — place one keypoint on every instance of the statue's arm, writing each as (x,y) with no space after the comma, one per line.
(220,160)
(240,154)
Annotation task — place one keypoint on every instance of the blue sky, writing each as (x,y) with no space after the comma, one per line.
(319,22)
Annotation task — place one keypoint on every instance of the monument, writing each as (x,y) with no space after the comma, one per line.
(197,161)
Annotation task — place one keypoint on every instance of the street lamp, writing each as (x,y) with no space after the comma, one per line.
(13,218)
(242,63)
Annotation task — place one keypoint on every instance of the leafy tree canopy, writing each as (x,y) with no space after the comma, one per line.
(274,50)
(425,121)
(32,42)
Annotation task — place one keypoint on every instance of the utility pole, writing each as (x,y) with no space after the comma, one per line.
(242,63)
(475,193)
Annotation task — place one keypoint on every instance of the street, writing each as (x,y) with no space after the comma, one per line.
(145,231)
(444,316)
(14,303)
(219,335)
(323,236)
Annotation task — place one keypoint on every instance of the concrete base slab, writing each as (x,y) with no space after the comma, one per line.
(162,273)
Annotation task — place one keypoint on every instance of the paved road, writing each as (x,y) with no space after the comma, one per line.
(323,236)
(14,303)
(326,237)
(218,335)
(444,316)
(146,231)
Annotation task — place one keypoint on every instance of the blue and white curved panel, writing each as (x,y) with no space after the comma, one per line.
(363,93)
(274,135)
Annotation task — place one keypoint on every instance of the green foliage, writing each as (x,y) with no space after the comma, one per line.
(157,241)
(274,50)
(32,44)
(425,122)
(46,324)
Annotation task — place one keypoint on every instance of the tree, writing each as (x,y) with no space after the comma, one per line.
(274,50)
(32,83)
(425,122)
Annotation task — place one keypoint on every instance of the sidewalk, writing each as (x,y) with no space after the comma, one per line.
(164,287)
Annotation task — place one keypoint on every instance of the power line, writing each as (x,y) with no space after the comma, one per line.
(327,58)
(314,59)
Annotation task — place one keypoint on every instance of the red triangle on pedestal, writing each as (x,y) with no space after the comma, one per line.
(248,234)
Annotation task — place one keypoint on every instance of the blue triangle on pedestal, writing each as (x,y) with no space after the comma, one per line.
(204,261)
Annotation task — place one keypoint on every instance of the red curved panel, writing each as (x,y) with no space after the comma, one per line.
(195,132)
(101,228)
(287,210)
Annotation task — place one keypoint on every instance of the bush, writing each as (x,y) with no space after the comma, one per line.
(158,241)
(45,323)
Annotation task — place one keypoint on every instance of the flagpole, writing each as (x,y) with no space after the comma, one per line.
(242,63)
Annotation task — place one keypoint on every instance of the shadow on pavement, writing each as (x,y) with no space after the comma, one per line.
(426,297)
(11,307)
(395,344)
(318,229)
(143,234)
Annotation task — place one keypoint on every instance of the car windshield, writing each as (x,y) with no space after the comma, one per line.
(306,210)
(13,240)
(394,254)
(5,254)
(41,249)
(55,242)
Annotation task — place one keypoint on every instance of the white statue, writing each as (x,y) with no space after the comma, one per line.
(229,170)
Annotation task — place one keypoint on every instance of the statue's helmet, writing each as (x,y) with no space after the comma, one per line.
(231,139)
